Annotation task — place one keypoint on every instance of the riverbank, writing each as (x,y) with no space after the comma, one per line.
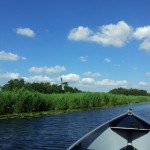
(23,103)
(39,114)
(52,112)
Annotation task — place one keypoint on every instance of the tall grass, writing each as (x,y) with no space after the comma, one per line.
(22,100)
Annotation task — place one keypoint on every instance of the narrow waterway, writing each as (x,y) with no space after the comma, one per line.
(58,132)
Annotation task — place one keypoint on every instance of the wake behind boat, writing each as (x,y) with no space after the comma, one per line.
(126,132)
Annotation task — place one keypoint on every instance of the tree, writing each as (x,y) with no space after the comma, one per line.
(124,91)
(42,87)
(13,84)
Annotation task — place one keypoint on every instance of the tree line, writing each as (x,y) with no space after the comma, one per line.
(48,88)
(43,87)
(135,92)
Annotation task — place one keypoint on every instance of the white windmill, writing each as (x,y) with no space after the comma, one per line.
(63,84)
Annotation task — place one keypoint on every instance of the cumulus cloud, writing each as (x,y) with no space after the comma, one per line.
(116,35)
(25,32)
(84,58)
(142,83)
(38,78)
(112,34)
(143,33)
(10,56)
(52,70)
(80,34)
(88,81)
(91,83)
(71,77)
(92,74)
(145,45)
(8,75)
(107,60)
(108,82)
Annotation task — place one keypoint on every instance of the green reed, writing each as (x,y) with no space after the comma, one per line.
(22,101)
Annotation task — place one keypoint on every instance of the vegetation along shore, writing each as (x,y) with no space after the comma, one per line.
(20,99)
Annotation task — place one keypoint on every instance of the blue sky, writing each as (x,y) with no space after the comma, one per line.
(94,45)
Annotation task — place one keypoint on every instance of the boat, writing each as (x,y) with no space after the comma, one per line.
(126,132)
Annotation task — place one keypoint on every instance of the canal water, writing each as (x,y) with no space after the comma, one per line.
(58,132)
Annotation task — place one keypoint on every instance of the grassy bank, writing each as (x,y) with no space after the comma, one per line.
(27,102)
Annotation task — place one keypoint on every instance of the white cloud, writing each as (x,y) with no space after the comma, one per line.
(10,56)
(91,83)
(92,74)
(37,69)
(52,70)
(84,58)
(88,81)
(79,34)
(143,33)
(142,83)
(147,74)
(8,75)
(107,60)
(145,45)
(108,82)
(71,77)
(112,34)
(38,78)
(25,32)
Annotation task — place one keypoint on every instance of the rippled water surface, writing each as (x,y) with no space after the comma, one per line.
(58,132)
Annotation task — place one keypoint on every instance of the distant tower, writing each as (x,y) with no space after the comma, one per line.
(63,84)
